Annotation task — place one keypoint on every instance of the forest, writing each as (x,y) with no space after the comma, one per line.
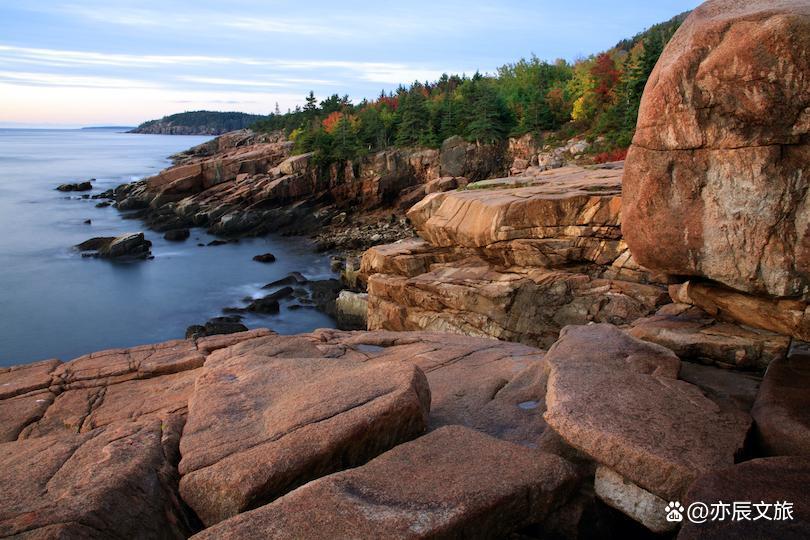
(597,97)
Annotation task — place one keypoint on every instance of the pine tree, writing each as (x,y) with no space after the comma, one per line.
(414,117)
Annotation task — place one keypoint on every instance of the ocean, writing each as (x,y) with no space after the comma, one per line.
(54,303)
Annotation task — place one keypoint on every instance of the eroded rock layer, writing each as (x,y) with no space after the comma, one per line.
(515,259)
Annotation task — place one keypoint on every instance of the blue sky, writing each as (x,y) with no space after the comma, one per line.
(110,62)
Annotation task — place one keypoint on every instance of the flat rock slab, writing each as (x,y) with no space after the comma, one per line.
(16,380)
(452,483)
(259,426)
(782,409)
(766,480)
(492,386)
(615,399)
(696,336)
(108,483)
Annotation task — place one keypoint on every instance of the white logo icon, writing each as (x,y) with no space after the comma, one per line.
(674,512)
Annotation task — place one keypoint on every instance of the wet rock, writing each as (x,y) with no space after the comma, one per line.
(177,235)
(265,258)
(454,482)
(290,420)
(217,242)
(103,204)
(351,310)
(294,278)
(88,222)
(131,246)
(79,186)
(216,326)
(782,408)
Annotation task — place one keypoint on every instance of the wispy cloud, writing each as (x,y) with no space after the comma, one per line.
(77,81)
(378,72)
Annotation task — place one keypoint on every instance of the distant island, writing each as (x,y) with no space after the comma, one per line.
(199,123)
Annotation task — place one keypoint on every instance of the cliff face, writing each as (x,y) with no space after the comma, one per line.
(515,263)
(248,184)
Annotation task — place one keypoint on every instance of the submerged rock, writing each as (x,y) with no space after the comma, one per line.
(177,235)
(216,326)
(265,258)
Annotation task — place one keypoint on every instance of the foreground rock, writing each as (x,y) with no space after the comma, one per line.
(782,408)
(647,427)
(452,483)
(131,246)
(516,263)
(774,487)
(290,420)
(108,483)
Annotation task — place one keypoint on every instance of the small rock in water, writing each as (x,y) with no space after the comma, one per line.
(294,278)
(216,326)
(88,221)
(103,204)
(217,242)
(265,258)
(177,235)
(130,246)
(78,186)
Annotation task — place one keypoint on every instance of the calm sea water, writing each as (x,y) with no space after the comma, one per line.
(53,303)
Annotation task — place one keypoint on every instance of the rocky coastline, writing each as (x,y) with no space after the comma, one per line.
(552,349)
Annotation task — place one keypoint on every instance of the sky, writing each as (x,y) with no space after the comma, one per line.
(111,62)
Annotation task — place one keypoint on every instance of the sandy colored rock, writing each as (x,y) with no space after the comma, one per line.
(696,336)
(477,218)
(628,498)
(108,483)
(782,409)
(717,170)
(790,317)
(615,398)
(768,481)
(451,483)
(513,258)
(260,426)
(524,304)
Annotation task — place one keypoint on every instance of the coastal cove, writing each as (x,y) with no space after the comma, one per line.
(59,304)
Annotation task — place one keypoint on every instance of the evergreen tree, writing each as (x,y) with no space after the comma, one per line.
(414,116)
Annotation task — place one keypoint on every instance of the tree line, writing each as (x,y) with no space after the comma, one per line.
(597,96)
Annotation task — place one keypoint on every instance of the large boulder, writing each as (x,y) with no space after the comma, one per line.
(617,400)
(452,483)
(284,420)
(718,168)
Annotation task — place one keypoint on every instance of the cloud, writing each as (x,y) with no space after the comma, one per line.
(75,81)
